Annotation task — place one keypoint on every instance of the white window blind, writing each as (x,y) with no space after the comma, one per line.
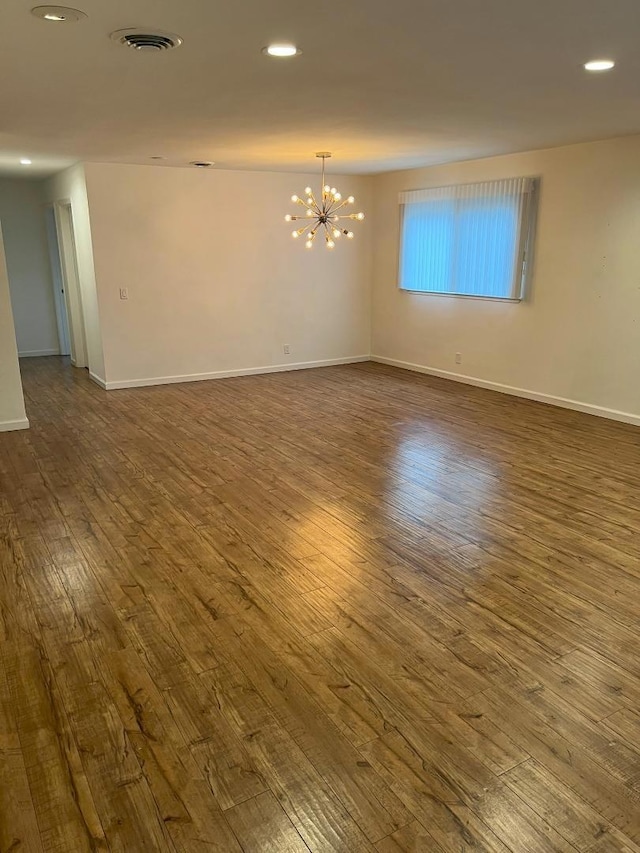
(469,239)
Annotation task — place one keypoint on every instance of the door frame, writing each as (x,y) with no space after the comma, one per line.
(59,299)
(63,213)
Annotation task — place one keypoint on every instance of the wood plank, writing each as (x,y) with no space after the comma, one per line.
(18,826)
(64,816)
(409,839)
(262,826)
(558,805)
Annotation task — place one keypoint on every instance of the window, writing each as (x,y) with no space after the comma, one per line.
(468,240)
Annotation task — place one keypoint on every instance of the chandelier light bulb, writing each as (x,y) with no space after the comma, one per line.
(337,196)
(294,198)
(294,234)
(330,244)
(309,244)
(308,191)
(350,235)
(350,200)
(288,217)
(336,233)
(327,188)
(360,216)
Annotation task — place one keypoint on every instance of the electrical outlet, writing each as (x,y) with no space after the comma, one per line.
(124,293)
(458,358)
(287,349)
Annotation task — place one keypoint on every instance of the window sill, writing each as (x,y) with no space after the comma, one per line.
(460,295)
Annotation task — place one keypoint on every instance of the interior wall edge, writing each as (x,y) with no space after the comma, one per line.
(98,380)
(537,396)
(226,374)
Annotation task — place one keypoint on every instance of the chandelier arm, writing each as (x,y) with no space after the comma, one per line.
(341,205)
(312,207)
(302,231)
(338,205)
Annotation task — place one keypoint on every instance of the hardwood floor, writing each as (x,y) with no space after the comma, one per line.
(349,609)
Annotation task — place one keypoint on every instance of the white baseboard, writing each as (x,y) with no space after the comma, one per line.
(226,374)
(36,353)
(98,380)
(7,426)
(562,402)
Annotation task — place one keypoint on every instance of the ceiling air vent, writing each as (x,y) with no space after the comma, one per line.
(147,40)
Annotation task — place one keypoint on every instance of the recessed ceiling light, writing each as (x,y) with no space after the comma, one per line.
(25,161)
(58,14)
(202,164)
(599,65)
(281,50)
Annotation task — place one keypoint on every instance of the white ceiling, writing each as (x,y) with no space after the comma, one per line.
(384,84)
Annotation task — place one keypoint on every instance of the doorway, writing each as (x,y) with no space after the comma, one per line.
(66,283)
(62,318)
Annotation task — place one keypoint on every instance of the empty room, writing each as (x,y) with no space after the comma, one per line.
(320,427)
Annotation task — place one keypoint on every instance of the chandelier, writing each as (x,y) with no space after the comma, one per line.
(322,215)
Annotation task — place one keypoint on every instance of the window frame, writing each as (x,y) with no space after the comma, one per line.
(525,248)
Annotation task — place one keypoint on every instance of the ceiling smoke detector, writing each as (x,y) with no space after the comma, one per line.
(147,40)
(58,14)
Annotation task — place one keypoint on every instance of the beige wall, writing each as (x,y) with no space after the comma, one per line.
(216,283)
(12,413)
(577,337)
(27,255)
